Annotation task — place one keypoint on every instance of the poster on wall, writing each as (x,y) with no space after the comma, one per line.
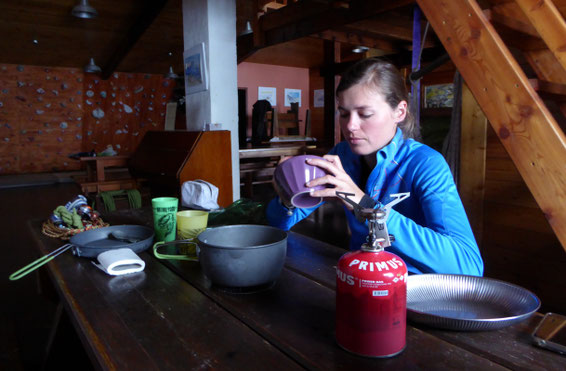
(268,94)
(194,66)
(438,96)
(292,96)
(318,98)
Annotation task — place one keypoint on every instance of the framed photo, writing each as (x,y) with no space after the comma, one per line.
(269,94)
(194,65)
(318,98)
(292,96)
(438,96)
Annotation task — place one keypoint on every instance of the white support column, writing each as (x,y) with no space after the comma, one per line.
(214,24)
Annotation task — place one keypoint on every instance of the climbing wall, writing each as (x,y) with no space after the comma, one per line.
(47,114)
(119,111)
(41,118)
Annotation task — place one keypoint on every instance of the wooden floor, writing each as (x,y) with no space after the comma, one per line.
(27,314)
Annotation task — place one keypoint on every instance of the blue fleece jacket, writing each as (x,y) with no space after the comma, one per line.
(431,229)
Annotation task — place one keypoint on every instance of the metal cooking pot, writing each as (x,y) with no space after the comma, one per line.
(237,255)
(91,243)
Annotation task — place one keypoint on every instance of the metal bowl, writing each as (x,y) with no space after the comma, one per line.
(467,303)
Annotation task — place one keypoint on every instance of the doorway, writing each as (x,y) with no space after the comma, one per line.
(242,116)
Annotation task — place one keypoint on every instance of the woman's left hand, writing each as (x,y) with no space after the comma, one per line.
(337,178)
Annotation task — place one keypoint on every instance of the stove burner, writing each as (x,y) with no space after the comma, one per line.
(245,290)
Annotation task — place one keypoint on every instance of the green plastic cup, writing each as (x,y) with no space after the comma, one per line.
(165,218)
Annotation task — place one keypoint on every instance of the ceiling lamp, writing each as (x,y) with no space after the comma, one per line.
(84,10)
(360,49)
(91,67)
(248,29)
(171,74)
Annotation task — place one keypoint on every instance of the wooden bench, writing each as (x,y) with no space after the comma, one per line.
(107,185)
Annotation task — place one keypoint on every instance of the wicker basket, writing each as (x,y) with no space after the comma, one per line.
(51,230)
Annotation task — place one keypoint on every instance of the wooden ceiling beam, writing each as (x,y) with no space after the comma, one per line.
(150,9)
(356,38)
(305,18)
(400,60)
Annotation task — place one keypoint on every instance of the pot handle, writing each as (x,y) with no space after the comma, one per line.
(39,262)
(175,257)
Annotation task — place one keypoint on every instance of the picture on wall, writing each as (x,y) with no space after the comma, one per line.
(196,78)
(438,96)
(267,93)
(292,96)
(318,98)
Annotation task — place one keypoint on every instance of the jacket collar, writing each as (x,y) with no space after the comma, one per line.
(390,150)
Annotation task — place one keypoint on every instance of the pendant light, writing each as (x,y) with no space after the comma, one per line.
(360,49)
(84,10)
(171,74)
(247,30)
(91,67)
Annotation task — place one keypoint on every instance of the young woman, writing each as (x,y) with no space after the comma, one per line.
(378,158)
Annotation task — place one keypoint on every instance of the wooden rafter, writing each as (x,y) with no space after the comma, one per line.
(150,10)
(305,18)
(358,39)
(549,23)
(518,115)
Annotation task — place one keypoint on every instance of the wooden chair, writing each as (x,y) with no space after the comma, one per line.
(283,124)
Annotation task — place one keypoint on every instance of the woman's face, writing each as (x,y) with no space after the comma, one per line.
(367,121)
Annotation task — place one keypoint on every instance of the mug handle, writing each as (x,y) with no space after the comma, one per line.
(174,257)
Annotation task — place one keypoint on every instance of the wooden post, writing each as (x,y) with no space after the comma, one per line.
(331,130)
(472,161)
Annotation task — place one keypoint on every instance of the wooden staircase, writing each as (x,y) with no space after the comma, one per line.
(476,39)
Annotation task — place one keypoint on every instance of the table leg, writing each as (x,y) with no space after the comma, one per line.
(100,171)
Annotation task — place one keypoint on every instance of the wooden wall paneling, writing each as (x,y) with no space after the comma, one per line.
(534,261)
(211,160)
(472,160)
(521,217)
(509,192)
(525,126)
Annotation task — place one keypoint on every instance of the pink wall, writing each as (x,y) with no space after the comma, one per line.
(253,75)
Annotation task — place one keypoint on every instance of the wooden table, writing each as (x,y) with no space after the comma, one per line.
(97,179)
(276,150)
(96,166)
(257,164)
(169,316)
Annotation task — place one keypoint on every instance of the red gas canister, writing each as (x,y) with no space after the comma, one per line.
(371,294)
(371,303)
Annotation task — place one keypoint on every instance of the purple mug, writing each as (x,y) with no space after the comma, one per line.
(292,175)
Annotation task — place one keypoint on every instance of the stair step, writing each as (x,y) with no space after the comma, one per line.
(550,90)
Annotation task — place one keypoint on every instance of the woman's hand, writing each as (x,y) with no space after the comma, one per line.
(336,177)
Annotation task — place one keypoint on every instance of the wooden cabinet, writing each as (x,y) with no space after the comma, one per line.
(167,159)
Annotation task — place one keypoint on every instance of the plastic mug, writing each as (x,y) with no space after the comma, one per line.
(291,177)
(190,223)
(164,218)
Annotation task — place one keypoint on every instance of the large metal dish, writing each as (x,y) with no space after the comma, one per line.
(467,303)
